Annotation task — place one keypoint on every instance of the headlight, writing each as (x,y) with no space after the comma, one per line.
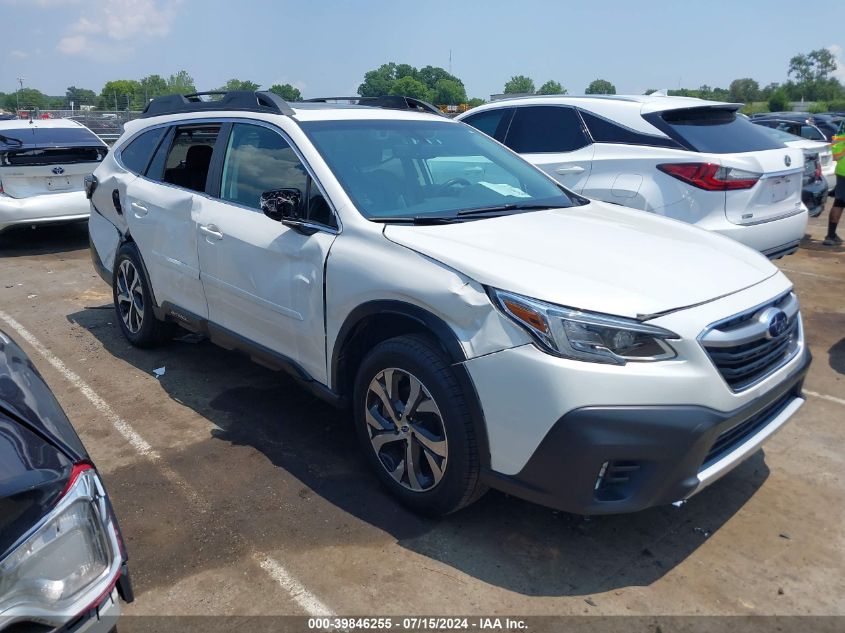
(68,561)
(588,336)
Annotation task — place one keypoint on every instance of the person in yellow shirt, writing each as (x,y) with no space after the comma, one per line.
(838,148)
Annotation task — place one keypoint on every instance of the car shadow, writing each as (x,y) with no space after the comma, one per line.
(499,540)
(20,241)
(836,354)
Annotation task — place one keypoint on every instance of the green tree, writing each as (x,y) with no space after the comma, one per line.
(744,90)
(152,86)
(80,96)
(406,70)
(600,87)
(430,75)
(410,87)
(181,83)
(551,87)
(519,84)
(378,82)
(475,102)
(29,98)
(778,101)
(286,92)
(239,84)
(767,90)
(812,75)
(449,92)
(120,94)
(649,91)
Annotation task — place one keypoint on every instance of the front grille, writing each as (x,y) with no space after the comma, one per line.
(741,349)
(733,437)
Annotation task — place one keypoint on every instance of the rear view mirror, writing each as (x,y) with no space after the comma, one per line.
(282,205)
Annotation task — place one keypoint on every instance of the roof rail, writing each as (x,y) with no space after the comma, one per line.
(391,102)
(241,100)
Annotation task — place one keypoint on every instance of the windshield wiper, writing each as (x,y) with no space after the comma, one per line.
(9,139)
(418,220)
(509,207)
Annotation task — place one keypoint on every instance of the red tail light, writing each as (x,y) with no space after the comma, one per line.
(76,470)
(711,177)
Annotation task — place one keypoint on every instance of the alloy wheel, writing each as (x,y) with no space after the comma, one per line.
(406,429)
(130,296)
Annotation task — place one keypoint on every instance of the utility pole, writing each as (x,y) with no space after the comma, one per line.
(18,96)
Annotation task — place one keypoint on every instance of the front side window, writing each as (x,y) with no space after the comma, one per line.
(546,129)
(398,169)
(189,157)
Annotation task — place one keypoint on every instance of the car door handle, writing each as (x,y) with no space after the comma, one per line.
(138,209)
(211,230)
(572,169)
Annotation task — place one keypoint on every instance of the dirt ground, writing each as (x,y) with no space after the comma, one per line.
(252,498)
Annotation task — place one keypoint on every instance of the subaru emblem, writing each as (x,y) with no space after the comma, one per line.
(778,324)
(787,160)
(58,170)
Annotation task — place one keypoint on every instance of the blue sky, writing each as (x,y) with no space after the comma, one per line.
(325,47)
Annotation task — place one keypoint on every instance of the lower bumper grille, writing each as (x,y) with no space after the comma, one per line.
(736,435)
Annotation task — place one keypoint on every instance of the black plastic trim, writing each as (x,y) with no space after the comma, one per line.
(234,100)
(668,443)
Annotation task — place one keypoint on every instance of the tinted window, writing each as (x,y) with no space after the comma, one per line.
(136,156)
(811,133)
(490,121)
(714,130)
(257,160)
(394,168)
(34,136)
(190,156)
(606,131)
(537,129)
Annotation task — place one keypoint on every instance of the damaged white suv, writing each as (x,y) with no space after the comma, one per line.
(487,326)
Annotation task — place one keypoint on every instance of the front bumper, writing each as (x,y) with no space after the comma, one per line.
(68,206)
(603,460)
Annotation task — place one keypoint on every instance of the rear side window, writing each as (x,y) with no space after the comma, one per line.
(136,156)
(189,157)
(491,122)
(812,133)
(606,131)
(546,129)
(713,130)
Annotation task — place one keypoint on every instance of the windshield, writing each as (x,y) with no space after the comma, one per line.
(429,169)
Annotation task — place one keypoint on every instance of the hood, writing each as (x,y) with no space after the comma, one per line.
(597,257)
(26,397)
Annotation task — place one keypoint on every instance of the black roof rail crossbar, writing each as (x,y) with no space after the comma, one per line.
(392,102)
(241,100)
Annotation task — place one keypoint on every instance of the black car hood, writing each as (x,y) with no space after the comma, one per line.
(25,396)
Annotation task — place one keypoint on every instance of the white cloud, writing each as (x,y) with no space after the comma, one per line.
(836,51)
(116,22)
(19,54)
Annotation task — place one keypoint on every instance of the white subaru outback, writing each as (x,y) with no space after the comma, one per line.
(487,326)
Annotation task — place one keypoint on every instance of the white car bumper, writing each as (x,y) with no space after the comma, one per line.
(68,206)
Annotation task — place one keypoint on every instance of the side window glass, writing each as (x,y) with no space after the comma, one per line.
(545,129)
(811,133)
(259,160)
(189,157)
(136,156)
(606,131)
(491,122)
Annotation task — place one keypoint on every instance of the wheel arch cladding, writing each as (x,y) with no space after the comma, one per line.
(373,322)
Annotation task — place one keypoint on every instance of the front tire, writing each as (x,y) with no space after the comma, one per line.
(133,301)
(413,423)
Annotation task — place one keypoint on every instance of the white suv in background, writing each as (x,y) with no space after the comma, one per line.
(486,326)
(692,160)
(42,166)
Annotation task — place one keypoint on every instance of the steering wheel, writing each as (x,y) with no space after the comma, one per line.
(463,182)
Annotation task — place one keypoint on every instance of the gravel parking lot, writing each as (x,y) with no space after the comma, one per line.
(240,494)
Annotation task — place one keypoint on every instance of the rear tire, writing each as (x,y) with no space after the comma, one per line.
(133,300)
(410,409)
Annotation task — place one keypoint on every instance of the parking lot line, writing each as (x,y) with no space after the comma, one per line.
(824,396)
(295,589)
(309,603)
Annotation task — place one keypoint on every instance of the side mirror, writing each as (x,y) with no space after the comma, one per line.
(282,205)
